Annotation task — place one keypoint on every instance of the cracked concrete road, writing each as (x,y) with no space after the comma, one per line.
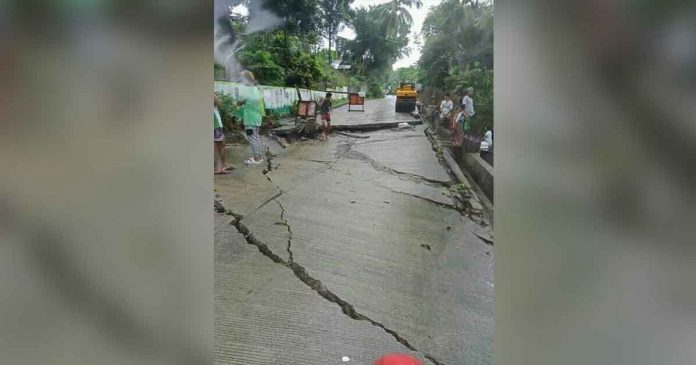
(376,111)
(348,247)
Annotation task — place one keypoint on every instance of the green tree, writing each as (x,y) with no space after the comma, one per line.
(332,77)
(304,71)
(334,14)
(397,18)
(458,53)
(456,34)
(481,80)
(291,54)
(300,17)
(279,59)
(264,66)
(219,72)
(408,74)
(372,52)
(403,74)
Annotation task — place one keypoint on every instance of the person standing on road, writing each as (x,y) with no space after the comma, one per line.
(218,139)
(251,100)
(325,110)
(468,103)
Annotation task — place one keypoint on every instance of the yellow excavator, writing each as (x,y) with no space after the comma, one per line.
(406,96)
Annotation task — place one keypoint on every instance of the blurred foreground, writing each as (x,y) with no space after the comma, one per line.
(594,191)
(106,254)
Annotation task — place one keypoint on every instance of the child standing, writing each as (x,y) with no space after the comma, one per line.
(457,126)
(325,110)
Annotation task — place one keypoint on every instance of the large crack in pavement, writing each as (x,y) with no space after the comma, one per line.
(305,178)
(388,139)
(315,284)
(283,221)
(346,151)
(287,225)
(466,196)
(279,190)
(459,206)
(299,271)
(487,240)
(432,201)
(267,173)
(272,198)
(462,200)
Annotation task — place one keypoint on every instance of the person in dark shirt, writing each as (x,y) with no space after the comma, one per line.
(325,110)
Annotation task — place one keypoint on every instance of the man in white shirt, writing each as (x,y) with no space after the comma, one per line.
(468,103)
(446,108)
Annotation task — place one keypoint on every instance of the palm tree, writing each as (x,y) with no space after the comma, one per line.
(397,19)
(371,52)
(473,30)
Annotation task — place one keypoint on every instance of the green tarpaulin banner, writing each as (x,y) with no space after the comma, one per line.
(278,101)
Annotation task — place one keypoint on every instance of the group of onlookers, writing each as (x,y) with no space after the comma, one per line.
(461,122)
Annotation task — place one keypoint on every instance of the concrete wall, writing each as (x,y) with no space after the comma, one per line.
(480,171)
(278,101)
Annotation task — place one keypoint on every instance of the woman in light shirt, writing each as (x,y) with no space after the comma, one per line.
(251,101)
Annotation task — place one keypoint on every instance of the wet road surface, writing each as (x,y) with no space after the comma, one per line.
(349,247)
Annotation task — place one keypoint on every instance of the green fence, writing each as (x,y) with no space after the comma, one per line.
(278,101)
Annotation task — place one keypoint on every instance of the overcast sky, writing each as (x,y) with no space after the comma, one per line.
(418,18)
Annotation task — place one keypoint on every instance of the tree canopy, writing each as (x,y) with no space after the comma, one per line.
(397,19)
(372,52)
(458,34)
(300,17)
(300,51)
(458,52)
(335,14)
(404,74)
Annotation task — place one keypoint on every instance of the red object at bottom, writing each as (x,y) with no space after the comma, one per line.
(398,359)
